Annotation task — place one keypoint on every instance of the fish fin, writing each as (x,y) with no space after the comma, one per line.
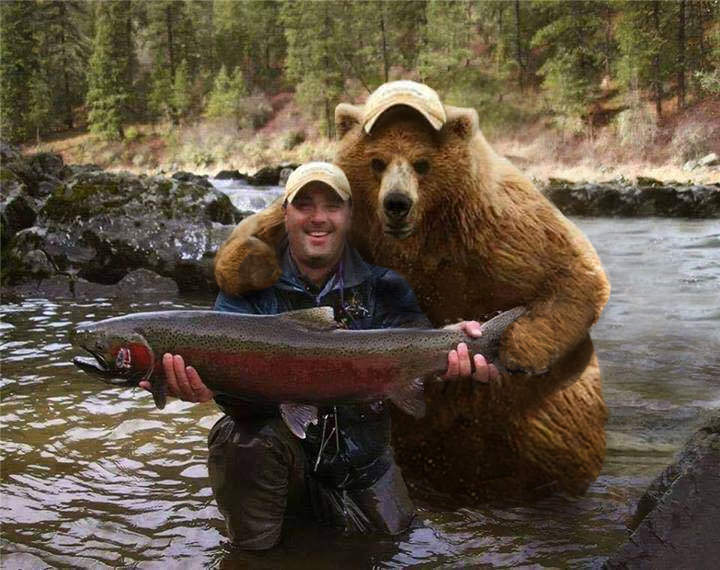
(317,318)
(158,385)
(409,398)
(298,417)
(159,394)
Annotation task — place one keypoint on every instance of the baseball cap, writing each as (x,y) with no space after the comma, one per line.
(317,171)
(420,97)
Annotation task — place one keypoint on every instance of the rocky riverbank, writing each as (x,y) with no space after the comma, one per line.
(65,227)
(79,231)
(644,197)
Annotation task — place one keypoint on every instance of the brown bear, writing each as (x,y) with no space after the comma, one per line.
(472,236)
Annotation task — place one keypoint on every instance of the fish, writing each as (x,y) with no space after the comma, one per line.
(298,359)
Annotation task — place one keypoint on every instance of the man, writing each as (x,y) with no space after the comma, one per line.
(343,473)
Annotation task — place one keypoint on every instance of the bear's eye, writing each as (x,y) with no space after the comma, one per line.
(377,165)
(421,166)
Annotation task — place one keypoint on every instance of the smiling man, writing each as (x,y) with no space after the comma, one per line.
(343,473)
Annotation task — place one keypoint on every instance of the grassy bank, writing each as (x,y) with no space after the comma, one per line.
(630,145)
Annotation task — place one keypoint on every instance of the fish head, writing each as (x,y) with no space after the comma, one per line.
(118,357)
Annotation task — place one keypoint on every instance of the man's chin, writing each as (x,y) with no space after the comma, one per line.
(318,261)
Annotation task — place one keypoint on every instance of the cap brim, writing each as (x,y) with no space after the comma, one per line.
(436,122)
(317,177)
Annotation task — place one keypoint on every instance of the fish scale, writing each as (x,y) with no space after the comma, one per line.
(297,359)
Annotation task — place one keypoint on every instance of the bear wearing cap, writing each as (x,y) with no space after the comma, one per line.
(473,236)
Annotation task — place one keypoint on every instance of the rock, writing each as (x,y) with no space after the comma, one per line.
(18,210)
(97,227)
(617,198)
(38,265)
(711,159)
(201,180)
(284,175)
(266,176)
(677,519)
(8,153)
(137,285)
(143,283)
(230,175)
(47,163)
(269,175)
(559,183)
(690,165)
(647,181)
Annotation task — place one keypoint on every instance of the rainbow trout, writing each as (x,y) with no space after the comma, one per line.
(298,359)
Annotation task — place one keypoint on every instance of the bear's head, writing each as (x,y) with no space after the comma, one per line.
(407,175)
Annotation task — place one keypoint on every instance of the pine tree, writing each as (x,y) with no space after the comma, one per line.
(447,35)
(181,99)
(226,98)
(572,43)
(39,103)
(110,71)
(64,53)
(646,58)
(171,38)
(312,45)
(17,64)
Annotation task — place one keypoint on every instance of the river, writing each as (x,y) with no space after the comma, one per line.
(97,477)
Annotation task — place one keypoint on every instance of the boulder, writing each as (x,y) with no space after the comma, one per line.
(269,175)
(285,174)
(138,285)
(619,198)
(711,159)
(81,223)
(677,519)
(230,175)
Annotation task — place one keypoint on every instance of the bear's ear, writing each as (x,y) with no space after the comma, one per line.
(346,117)
(461,121)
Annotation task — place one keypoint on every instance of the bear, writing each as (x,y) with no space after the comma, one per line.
(473,237)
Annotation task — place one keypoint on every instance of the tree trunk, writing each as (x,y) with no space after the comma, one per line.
(170,46)
(386,65)
(171,60)
(518,47)
(329,116)
(66,79)
(681,56)
(657,80)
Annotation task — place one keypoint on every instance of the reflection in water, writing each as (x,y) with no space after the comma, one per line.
(94,476)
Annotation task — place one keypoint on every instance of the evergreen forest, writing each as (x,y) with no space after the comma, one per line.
(105,66)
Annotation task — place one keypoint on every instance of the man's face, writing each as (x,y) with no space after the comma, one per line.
(317,222)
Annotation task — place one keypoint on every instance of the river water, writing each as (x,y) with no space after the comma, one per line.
(97,477)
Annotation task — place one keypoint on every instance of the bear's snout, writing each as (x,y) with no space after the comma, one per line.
(397,206)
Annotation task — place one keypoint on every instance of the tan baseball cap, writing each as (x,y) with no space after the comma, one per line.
(320,172)
(416,95)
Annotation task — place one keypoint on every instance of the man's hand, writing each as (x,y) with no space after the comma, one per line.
(459,365)
(182,381)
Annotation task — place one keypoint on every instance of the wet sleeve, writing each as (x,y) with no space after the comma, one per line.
(396,304)
(231,304)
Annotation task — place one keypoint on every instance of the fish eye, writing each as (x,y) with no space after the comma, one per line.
(377,165)
(421,166)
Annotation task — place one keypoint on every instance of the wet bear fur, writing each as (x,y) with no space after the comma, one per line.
(482,239)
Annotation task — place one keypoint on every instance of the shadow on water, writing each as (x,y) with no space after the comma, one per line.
(94,476)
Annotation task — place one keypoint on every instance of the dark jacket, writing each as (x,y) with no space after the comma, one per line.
(363,296)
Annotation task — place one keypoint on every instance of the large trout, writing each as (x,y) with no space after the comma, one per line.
(296,359)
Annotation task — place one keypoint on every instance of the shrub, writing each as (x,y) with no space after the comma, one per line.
(293,139)
(637,128)
(692,140)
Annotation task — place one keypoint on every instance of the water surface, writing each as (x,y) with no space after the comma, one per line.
(97,477)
